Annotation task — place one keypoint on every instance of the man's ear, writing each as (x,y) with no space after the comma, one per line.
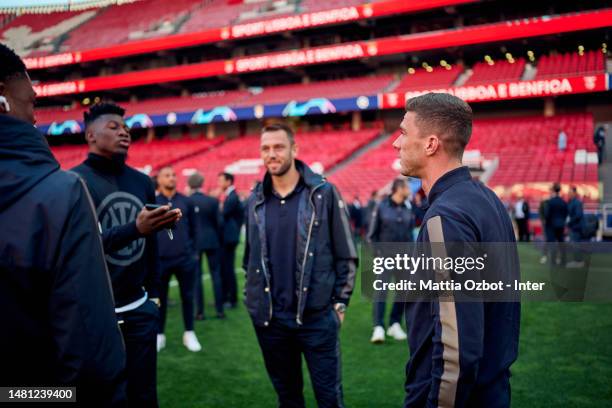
(89,136)
(432,144)
(295,149)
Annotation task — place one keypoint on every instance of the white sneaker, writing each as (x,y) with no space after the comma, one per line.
(574,264)
(396,332)
(378,336)
(161,342)
(543,260)
(191,341)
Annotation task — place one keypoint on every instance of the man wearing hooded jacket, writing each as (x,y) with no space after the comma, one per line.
(56,304)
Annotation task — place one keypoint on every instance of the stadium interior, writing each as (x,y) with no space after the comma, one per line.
(199,77)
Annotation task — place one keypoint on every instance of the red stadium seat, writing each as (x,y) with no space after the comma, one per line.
(591,62)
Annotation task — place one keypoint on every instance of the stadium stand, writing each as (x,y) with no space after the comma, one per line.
(341,88)
(423,79)
(241,156)
(269,95)
(317,5)
(591,62)
(217,13)
(142,155)
(34,34)
(369,172)
(527,148)
(121,23)
(498,71)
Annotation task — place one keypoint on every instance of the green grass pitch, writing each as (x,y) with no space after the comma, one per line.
(565,359)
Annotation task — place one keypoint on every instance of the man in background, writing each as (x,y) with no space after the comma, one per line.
(56,304)
(575,225)
(177,257)
(555,215)
(392,221)
(207,242)
(356,213)
(521,216)
(128,230)
(233,218)
(599,139)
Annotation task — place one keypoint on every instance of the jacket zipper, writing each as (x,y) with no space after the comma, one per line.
(312,218)
(263,264)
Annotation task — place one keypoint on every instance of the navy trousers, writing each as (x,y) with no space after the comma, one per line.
(214,267)
(283,343)
(139,329)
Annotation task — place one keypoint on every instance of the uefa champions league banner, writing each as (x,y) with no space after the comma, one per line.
(314,106)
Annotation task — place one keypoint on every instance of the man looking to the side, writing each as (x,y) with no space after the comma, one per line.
(128,231)
(461,352)
(301,263)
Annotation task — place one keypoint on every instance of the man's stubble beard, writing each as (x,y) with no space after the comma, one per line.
(284,168)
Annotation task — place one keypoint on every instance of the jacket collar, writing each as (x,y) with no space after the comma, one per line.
(309,177)
(446,181)
(101,163)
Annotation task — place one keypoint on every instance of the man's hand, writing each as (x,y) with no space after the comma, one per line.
(340,309)
(340,316)
(152,221)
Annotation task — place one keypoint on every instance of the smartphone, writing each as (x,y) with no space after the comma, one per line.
(152,207)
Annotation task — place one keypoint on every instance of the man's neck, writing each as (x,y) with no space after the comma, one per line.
(435,172)
(107,156)
(168,193)
(286,183)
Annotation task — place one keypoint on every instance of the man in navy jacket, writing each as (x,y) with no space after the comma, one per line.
(555,214)
(301,264)
(392,221)
(128,229)
(56,304)
(233,218)
(207,242)
(177,257)
(460,352)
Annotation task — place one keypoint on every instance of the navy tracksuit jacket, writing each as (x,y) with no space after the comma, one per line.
(460,352)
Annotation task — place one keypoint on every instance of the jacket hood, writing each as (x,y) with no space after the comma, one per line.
(310,178)
(25,159)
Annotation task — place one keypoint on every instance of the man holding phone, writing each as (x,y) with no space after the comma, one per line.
(128,232)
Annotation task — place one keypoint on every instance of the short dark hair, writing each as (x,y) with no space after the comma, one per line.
(556,187)
(100,109)
(445,115)
(398,183)
(229,177)
(195,180)
(275,127)
(12,66)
